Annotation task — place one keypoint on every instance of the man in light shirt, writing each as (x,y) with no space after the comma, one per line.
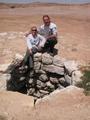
(49,31)
(35,43)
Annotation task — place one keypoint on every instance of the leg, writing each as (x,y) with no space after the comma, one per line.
(50,44)
(26,58)
(31,62)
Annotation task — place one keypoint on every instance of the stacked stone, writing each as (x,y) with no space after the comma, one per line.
(43,85)
(50,73)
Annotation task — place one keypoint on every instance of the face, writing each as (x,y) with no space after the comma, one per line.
(46,21)
(34,31)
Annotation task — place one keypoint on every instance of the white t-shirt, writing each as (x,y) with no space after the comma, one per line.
(48,30)
(35,41)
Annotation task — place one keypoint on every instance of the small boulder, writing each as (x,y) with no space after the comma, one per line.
(54,80)
(40,83)
(43,78)
(37,57)
(37,65)
(76,77)
(68,79)
(50,86)
(70,66)
(47,59)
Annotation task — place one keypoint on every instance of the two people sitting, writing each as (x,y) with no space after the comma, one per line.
(45,38)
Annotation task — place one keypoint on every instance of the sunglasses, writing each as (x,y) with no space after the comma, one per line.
(34,30)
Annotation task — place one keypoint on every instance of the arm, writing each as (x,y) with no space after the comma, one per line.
(52,36)
(42,41)
(29,45)
(27,33)
(53,32)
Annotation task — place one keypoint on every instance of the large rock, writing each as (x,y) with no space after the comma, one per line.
(12,100)
(70,90)
(3,81)
(47,59)
(4,67)
(53,69)
(70,66)
(58,62)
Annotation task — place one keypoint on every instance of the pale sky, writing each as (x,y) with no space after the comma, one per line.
(51,1)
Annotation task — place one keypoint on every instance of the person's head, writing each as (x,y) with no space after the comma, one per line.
(46,20)
(34,30)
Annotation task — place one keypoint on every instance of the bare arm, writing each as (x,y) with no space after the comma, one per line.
(29,45)
(42,41)
(27,33)
(52,36)
(53,33)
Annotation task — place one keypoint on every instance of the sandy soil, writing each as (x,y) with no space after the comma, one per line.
(73,23)
(69,104)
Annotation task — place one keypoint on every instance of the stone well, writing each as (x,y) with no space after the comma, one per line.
(50,73)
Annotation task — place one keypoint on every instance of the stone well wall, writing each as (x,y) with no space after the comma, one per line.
(50,73)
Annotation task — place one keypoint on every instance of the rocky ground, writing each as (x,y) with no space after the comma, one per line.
(73,23)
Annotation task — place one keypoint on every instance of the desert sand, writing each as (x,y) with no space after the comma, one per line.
(73,22)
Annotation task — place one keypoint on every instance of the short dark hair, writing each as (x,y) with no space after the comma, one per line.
(46,16)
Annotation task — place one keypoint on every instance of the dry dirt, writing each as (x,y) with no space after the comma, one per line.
(69,104)
(73,23)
